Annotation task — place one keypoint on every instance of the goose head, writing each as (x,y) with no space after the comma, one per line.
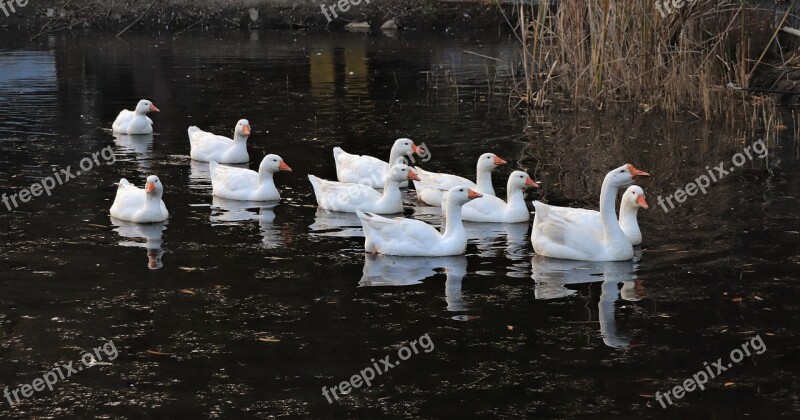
(272,164)
(462,195)
(404,147)
(401,172)
(153,186)
(489,161)
(623,176)
(144,106)
(242,128)
(634,197)
(519,180)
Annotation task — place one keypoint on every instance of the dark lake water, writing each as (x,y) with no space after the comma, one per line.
(233,310)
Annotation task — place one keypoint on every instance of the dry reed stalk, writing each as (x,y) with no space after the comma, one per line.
(603,52)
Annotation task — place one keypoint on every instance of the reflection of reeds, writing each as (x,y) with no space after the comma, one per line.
(599,53)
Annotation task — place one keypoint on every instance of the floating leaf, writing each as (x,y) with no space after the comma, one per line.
(756,297)
(186,291)
(188,269)
(269,340)
(730,383)
(158,353)
(647,395)
(736,299)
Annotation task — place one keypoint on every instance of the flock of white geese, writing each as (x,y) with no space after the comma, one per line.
(370,187)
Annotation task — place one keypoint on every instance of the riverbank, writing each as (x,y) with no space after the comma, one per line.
(174,16)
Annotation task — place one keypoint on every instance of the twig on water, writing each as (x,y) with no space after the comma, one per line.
(471,383)
(137,19)
(484,56)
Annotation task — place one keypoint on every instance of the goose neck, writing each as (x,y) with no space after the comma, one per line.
(608,213)
(453,223)
(483,180)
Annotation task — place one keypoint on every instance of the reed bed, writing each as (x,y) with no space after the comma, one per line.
(596,54)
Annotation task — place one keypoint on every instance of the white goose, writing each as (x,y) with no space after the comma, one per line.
(432,184)
(414,238)
(208,146)
(344,197)
(494,210)
(136,121)
(246,185)
(554,235)
(628,212)
(368,170)
(140,205)
(632,200)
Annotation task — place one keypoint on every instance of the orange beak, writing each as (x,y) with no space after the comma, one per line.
(531,183)
(413,175)
(416,149)
(150,187)
(642,202)
(498,161)
(636,172)
(154,109)
(473,194)
(246,130)
(284,167)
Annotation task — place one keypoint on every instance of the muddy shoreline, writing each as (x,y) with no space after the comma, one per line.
(170,16)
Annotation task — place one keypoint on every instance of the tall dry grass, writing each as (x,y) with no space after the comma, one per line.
(602,53)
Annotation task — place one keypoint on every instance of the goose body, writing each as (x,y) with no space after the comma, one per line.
(208,146)
(431,185)
(247,185)
(491,209)
(414,238)
(632,199)
(348,197)
(138,205)
(136,121)
(367,170)
(560,234)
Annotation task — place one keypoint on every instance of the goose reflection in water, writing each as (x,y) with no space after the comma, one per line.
(232,212)
(489,238)
(150,232)
(140,146)
(335,223)
(553,275)
(385,270)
